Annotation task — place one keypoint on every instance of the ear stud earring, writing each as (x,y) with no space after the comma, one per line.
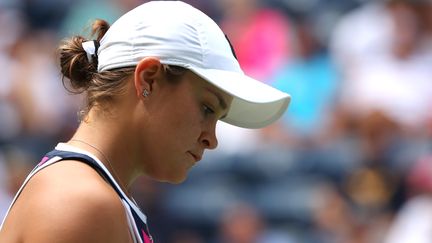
(145,93)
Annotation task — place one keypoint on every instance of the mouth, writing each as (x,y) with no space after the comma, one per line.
(195,156)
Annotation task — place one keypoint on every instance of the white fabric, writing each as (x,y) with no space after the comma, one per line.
(181,35)
(90,48)
(413,223)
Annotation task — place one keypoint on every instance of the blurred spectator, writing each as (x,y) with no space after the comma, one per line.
(386,92)
(336,219)
(82,13)
(185,236)
(5,196)
(333,219)
(243,223)
(15,164)
(413,223)
(370,25)
(233,141)
(45,14)
(311,78)
(45,109)
(11,28)
(18,165)
(260,36)
(386,66)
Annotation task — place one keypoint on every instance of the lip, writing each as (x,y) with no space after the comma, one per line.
(195,156)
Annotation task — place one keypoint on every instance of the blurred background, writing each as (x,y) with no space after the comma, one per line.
(350,162)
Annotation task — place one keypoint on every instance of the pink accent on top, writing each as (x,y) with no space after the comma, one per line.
(146,238)
(44,159)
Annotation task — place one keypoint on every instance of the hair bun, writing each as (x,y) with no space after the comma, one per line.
(74,63)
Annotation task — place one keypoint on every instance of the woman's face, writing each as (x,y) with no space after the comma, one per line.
(181,121)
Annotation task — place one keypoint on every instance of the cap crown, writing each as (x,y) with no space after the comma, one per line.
(173,31)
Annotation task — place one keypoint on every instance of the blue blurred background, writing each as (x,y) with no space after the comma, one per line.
(350,162)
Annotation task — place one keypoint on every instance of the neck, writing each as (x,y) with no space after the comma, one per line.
(104,140)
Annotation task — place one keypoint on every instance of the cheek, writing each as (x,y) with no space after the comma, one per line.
(185,120)
(175,129)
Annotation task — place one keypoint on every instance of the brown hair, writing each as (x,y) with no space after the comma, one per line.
(100,87)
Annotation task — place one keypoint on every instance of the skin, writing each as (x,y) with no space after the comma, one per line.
(161,136)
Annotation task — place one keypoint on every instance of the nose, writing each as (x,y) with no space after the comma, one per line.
(208,137)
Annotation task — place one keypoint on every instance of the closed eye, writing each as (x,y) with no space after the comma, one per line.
(208,110)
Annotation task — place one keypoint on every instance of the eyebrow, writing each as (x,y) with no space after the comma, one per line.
(221,101)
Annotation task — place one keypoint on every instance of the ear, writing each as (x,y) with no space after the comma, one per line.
(147,71)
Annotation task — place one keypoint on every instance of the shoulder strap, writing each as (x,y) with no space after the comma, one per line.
(67,155)
(139,227)
(55,156)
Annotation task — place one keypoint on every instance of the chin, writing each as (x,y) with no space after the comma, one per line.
(176,182)
(175,179)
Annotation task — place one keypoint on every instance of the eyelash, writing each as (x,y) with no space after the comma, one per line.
(207,110)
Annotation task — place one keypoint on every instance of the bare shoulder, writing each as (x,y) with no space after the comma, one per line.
(68,202)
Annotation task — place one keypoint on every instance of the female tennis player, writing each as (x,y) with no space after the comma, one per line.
(156,83)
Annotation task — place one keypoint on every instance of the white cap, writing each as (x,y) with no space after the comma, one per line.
(179,34)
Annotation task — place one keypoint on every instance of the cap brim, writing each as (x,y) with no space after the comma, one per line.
(254,104)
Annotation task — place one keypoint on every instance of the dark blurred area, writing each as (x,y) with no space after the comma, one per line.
(350,161)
